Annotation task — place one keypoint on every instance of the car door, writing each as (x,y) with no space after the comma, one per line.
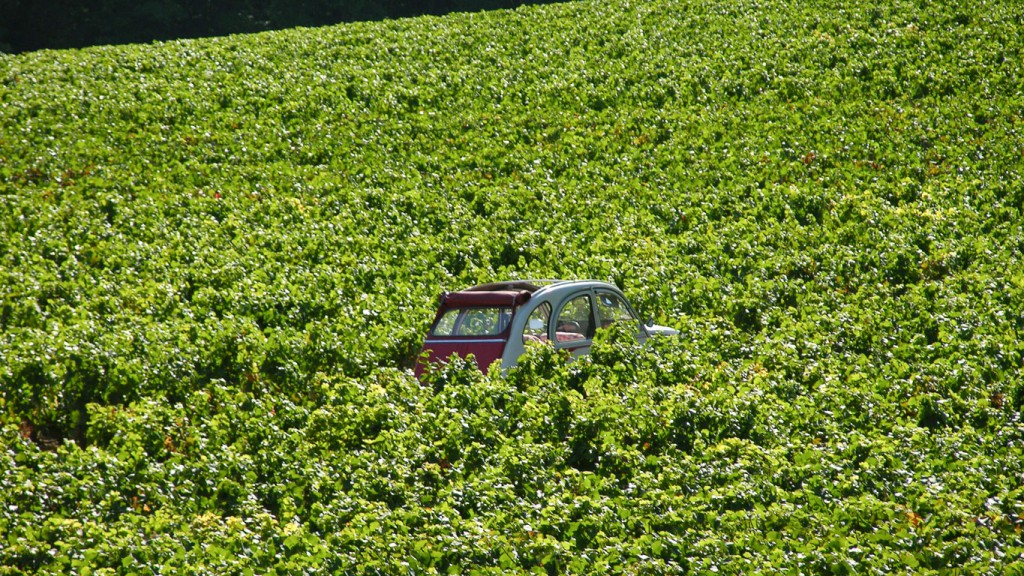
(612,308)
(572,326)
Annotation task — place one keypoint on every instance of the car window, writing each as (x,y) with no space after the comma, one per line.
(472,322)
(612,309)
(536,329)
(446,324)
(575,320)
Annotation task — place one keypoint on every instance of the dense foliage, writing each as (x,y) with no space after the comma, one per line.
(218,259)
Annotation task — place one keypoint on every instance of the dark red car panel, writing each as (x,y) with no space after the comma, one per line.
(468,299)
(485,350)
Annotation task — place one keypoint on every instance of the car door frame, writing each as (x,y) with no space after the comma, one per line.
(575,347)
(641,332)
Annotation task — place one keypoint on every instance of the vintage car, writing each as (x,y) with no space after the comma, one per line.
(496,321)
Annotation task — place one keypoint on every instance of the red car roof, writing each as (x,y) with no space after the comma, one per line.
(468,298)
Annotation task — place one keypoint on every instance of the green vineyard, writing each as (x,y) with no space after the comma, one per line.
(219,259)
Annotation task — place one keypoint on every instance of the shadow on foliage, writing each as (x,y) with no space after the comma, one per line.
(60,24)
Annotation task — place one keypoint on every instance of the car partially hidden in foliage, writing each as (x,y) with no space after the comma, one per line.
(496,321)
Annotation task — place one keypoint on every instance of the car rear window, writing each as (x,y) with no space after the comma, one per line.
(472,322)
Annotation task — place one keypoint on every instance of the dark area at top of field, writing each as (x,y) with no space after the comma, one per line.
(59,24)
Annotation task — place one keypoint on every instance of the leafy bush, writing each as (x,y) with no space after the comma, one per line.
(218,259)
